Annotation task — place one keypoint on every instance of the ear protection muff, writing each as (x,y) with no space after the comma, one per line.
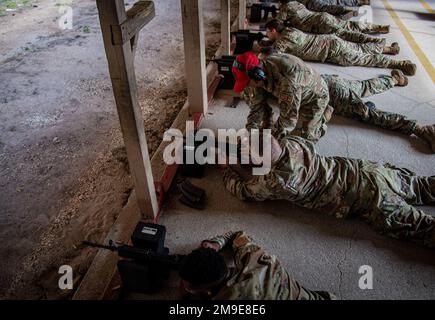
(255,73)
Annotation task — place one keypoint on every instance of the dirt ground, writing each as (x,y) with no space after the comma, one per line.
(63,171)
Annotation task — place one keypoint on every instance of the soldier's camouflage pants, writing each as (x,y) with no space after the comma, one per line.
(345,53)
(346,99)
(388,196)
(348,3)
(326,23)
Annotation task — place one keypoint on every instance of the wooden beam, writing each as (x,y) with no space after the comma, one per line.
(194,54)
(225,27)
(121,68)
(138,16)
(242,14)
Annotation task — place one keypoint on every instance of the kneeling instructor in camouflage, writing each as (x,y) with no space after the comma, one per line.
(332,49)
(383,195)
(301,92)
(345,96)
(256,276)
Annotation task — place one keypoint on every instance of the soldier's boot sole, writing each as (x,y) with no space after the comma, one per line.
(396,47)
(406,66)
(399,78)
(382,29)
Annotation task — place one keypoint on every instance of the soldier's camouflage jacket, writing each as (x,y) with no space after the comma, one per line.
(324,6)
(258,275)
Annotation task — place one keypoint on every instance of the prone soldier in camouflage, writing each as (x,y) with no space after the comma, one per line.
(345,96)
(383,195)
(346,35)
(340,3)
(296,15)
(302,94)
(256,275)
(332,49)
(325,6)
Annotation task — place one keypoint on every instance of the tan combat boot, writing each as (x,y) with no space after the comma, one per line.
(400,80)
(393,49)
(381,28)
(406,66)
(426,133)
(364,2)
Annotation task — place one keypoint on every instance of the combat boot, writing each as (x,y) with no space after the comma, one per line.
(400,80)
(393,49)
(406,66)
(364,2)
(426,133)
(381,28)
(395,45)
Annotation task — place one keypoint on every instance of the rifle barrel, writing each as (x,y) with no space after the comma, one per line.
(97,245)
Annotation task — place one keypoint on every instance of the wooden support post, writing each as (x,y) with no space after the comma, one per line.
(242,14)
(194,55)
(225,27)
(120,60)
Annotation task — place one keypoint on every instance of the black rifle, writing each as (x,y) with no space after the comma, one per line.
(141,270)
(140,255)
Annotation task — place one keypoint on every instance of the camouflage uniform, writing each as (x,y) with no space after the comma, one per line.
(382,194)
(330,48)
(341,3)
(346,98)
(300,17)
(302,96)
(258,275)
(324,6)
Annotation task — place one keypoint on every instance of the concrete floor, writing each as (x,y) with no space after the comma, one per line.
(321,252)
